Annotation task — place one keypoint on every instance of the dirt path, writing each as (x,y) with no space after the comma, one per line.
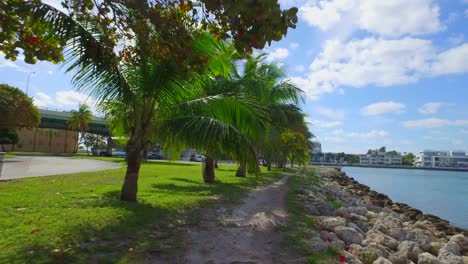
(247,234)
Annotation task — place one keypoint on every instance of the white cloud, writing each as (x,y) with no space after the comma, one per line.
(452,61)
(325,123)
(325,14)
(42,100)
(456,39)
(50,72)
(400,17)
(434,123)
(380,108)
(299,68)
(278,54)
(379,62)
(390,18)
(294,45)
(430,108)
(313,88)
(72,98)
(333,114)
(370,134)
(64,99)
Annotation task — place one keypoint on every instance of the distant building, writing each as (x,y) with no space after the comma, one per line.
(380,158)
(442,159)
(317,147)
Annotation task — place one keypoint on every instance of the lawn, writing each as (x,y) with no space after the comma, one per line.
(78,218)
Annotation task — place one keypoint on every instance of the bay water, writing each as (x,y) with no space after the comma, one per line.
(441,193)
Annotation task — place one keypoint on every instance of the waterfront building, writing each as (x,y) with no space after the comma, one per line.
(442,159)
(381,158)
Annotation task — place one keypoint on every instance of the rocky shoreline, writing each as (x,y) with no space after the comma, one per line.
(369,228)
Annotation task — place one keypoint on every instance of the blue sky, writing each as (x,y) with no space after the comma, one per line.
(375,73)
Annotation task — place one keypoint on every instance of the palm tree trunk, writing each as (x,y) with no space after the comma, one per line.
(208,170)
(65,145)
(34,145)
(135,148)
(241,170)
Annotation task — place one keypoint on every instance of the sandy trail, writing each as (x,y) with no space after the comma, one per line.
(247,234)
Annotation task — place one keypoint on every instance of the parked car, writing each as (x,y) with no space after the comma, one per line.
(119,153)
(102,153)
(198,157)
(155,156)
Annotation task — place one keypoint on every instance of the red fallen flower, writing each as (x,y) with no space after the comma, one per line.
(33,39)
(342,259)
(35,230)
(182,6)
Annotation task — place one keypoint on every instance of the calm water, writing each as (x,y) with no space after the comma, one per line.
(441,193)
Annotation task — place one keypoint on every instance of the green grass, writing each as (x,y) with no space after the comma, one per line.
(303,226)
(334,203)
(8,155)
(78,218)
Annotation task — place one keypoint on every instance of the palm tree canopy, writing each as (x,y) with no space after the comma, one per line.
(80,118)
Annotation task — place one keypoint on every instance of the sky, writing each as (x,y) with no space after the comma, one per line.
(374,73)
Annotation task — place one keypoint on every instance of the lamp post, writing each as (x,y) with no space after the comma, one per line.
(27,84)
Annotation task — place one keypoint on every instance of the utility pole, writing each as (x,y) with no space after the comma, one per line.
(27,84)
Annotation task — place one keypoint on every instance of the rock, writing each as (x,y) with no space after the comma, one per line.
(331,239)
(398,258)
(451,247)
(358,210)
(351,259)
(378,249)
(325,208)
(343,212)
(450,253)
(381,238)
(356,227)
(462,241)
(426,258)
(409,250)
(465,259)
(310,209)
(382,261)
(314,245)
(371,215)
(330,223)
(435,247)
(363,225)
(450,258)
(391,226)
(349,235)
(354,216)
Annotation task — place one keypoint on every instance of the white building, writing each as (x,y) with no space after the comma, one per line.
(442,159)
(380,158)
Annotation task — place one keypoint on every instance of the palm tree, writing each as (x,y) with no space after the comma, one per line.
(51,133)
(79,120)
(265,82)
(150,93)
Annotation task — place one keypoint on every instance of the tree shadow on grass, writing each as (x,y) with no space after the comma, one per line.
(178,163)
(145,227)
(140,226)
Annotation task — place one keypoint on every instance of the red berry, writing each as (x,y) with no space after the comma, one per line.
(342,259)
(33,39)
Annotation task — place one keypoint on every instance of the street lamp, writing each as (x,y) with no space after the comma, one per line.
(27,84)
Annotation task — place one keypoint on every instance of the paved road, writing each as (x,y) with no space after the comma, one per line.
(26,166)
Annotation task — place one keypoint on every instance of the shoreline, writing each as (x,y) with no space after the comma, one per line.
(384,201)
(339,166)
(362,226)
